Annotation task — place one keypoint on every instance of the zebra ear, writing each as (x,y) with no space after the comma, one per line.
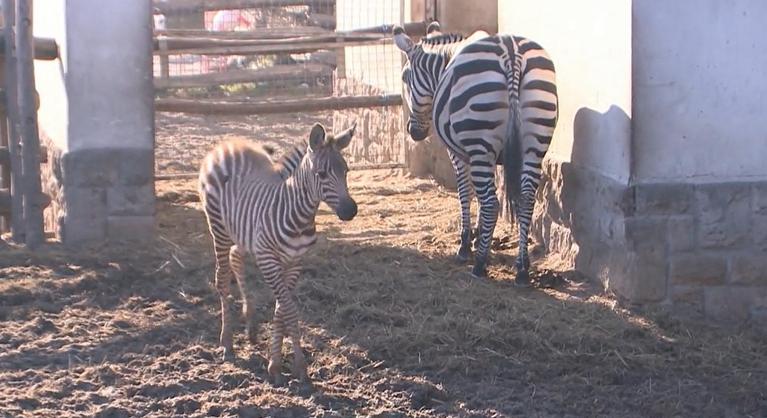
(343,139)
(433,29)
(403,42)
(316,137)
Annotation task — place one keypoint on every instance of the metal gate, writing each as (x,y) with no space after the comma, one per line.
(244,57)
(21,198)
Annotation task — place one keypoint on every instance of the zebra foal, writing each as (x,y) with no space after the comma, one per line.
(492,100)
(256,206)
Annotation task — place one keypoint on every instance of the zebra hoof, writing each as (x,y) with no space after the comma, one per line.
(522,279)
(275,374)
(228,355)
(462,255)
(479,272)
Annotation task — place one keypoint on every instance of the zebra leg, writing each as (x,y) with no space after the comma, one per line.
(524,217)
(223,281)
(275,345)
(484,184)
(464,196)
(290,277)
(248,303)
(271,269)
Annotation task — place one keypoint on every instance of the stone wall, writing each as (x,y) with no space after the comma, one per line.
(99,194)
(700,248)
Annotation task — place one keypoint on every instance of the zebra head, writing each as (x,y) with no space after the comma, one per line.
(420,75)
(329,169)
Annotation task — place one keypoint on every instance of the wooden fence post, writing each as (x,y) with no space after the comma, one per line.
(30,150)
(18,229)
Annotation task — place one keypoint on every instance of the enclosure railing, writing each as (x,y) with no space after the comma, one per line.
(21,198)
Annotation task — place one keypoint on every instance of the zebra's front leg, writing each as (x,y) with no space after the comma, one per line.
(291,325)
(524,216)
(488,215)
(274,368)
(464,196)
(271,269)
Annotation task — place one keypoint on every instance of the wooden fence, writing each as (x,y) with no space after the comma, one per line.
(263,41)
(21,198)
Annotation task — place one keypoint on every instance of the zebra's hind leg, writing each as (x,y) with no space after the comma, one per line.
(464,196)
(488,216)
(248,302)
(223,281)
(524,216)
(271,269)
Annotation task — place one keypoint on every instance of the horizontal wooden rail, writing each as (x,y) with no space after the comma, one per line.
(287,106)
(190,6)
(46,49)
(276,73)
(189,42)
(258,33)
(290,48)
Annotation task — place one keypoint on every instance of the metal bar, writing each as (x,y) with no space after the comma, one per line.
(5,152)
(46,49)
(17,198)
(287,106)
(30,151)
(5,157)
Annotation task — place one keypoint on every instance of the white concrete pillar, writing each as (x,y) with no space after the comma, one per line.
(96,117)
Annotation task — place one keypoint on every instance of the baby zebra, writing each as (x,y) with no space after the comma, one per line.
(254,205)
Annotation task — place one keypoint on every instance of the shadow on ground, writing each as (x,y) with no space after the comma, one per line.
(392,326)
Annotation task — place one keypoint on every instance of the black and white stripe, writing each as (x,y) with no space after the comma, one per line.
(254,205)
(492,100)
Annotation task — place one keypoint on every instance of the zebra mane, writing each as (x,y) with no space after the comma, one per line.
(444,39)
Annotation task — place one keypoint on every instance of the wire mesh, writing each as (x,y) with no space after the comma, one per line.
(287,50)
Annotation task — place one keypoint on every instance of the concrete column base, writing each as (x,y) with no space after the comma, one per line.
(99,195)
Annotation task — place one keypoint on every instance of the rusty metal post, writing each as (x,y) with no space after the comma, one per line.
(17,205)
(30,150)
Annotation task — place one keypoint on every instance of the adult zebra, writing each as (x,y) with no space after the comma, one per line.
(256,206)
(492,99)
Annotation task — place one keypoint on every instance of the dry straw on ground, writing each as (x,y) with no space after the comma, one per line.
(392,327)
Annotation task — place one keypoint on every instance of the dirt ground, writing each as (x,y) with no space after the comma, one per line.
(393,327)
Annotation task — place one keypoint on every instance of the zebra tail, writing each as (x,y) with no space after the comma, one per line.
(512,162)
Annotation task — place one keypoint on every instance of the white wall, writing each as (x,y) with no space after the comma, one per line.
(700,89)
(100,93)
(50,22)
(590,44)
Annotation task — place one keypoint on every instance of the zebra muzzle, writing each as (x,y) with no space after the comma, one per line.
(347,209)
(416,132)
